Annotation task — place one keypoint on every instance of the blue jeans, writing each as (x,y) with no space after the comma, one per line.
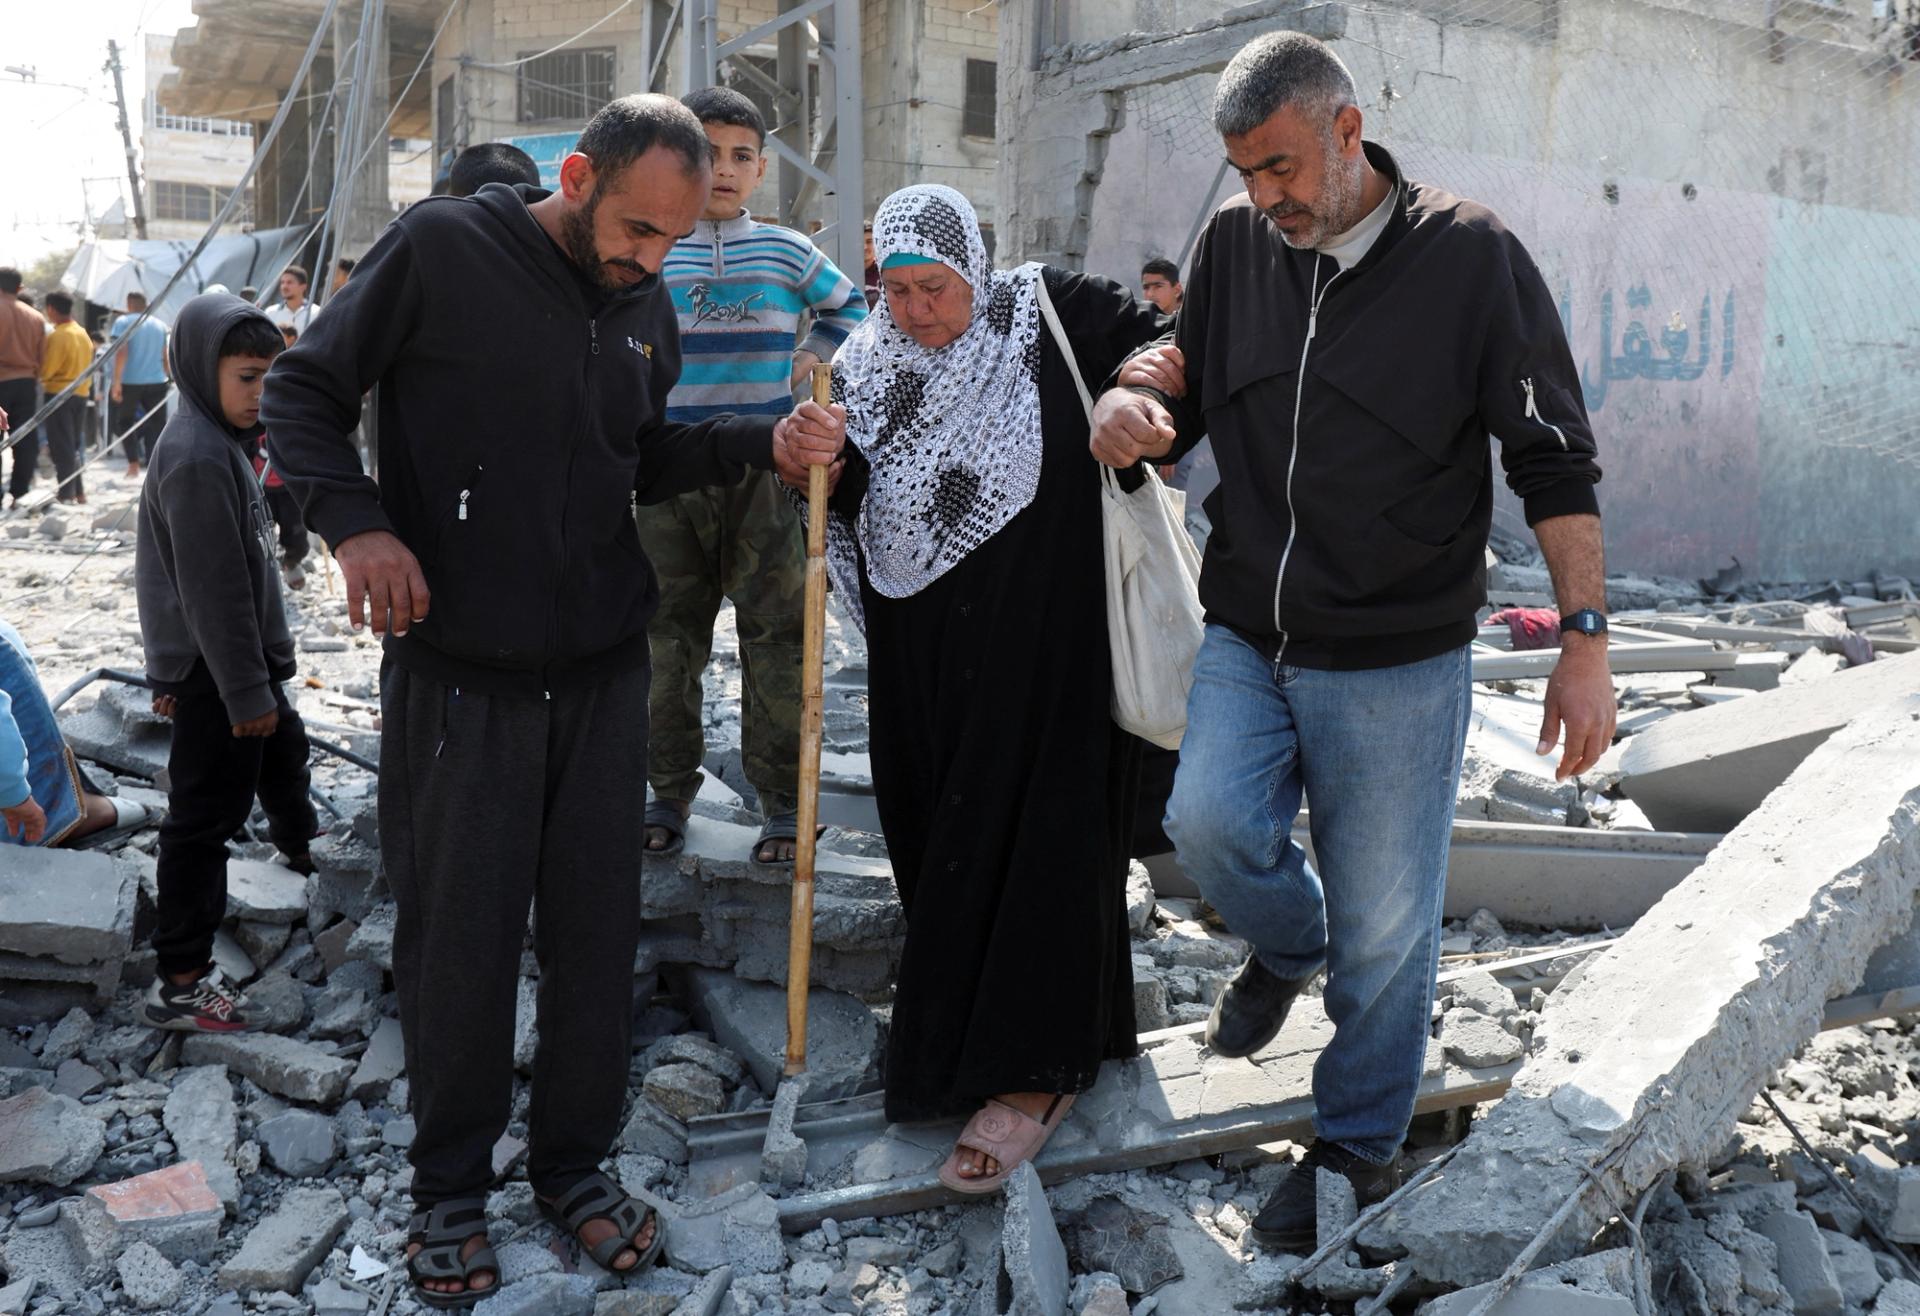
(1378,754)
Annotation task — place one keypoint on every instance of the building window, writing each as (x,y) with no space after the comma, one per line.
(976,118)
(567,84)
(194,123)
(189,201)
(196,202)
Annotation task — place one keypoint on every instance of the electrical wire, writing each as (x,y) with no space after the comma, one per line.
(19,433)
(528,59)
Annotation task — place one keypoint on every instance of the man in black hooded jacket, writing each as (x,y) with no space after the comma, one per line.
(524,346)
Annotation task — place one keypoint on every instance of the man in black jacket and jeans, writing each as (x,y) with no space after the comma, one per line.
(1349,341)
(525,347)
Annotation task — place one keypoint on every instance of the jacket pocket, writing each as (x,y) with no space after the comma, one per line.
(1425,409)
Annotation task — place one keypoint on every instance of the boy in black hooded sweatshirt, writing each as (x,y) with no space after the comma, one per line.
(217,646)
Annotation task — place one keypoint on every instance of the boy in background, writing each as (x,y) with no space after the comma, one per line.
(217,646)
(742,291)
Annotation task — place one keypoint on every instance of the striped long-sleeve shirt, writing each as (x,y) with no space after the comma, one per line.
(742,290)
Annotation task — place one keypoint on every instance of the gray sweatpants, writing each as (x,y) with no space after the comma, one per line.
(489,804)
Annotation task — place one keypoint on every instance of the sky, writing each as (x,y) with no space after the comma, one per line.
(63,129)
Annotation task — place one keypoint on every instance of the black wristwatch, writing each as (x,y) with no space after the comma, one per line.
(1587,621)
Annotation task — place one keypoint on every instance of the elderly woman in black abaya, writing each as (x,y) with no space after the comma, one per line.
(967,530)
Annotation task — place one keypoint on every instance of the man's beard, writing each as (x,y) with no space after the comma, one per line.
(576,226)
(1337,210)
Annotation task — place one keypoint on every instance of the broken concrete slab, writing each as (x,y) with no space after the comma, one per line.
(383,1061)
(783,1159)
(281,1065)
(541,1295)
(74,907)
(750,1020)
(1031,1250)
(1557,1291)
(150,1281)
(203,1123)
(1804,1268)
(174,1209)
(1892,1190)
(1706,771)
(1660,1043)
(299,1143)
(47,1139)
(740,1228)
(1476,1041)
(120,730)
(282,1250)
(684,1091)
(264,892)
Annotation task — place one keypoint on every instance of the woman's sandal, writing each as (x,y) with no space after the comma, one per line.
(597,1197)
(443,1231)
(669,819)
(1009,1135)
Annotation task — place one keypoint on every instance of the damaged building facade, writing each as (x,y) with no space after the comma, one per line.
(1725,195)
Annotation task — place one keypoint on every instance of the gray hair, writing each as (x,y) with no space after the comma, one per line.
(1275,72)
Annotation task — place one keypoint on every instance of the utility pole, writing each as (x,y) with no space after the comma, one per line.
(126,137)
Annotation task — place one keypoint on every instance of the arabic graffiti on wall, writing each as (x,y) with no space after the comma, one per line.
(1684,352)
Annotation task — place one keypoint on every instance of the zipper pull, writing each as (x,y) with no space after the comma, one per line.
(1313,322)
(1533,409)
(464,495)
(593,336)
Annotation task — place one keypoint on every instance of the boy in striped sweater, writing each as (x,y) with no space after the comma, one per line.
(745,292)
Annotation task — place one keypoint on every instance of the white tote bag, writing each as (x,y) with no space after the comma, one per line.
(1154,618)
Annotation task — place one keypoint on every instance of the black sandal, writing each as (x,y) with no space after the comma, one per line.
(667,817)
(597,1197)
(780,827)
(443,1231)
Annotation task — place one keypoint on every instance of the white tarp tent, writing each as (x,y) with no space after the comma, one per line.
(104,270)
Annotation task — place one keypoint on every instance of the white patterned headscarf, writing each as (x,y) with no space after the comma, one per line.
(952,433)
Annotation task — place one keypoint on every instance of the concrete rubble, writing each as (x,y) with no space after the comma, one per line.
(1660,1043)
(234,1176)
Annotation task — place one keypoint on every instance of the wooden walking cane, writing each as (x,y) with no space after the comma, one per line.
(812,695)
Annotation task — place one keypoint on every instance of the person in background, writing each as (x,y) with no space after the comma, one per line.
(295,310)
(23,354)
(873,267)
(69,357)
(342,271)
(251,296)
(743,292)
(1160,284)
(490,162)
(213,623)
(140,375)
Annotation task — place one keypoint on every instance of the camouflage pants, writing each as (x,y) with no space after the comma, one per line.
(744,543)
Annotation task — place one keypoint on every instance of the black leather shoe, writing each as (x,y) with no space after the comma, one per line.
(1250,1010)
(1289,1221)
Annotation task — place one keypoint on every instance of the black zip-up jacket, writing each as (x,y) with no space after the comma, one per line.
(1350,413)
(519,426)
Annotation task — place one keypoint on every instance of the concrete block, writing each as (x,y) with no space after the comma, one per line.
(264,892)
(684,1091)
(650,1131)
(738,1228)
(282,1250)
(1900,1297)
(1534,1295)
(783,1157)
(383,1061)
(693,1049)
(1854,1268)
(1706,771)
(1892,1190)
(279,1064)
(149,1280)
(1805,1271)
(175,1209)
(750,1020)
(1673,1029)
(372,941)
(120,731)
(14,1297)
(201,1120)
(1031,1250)
(301,1144)
(47,1139)
(541,1295)
(71,906)
(1475,1041)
